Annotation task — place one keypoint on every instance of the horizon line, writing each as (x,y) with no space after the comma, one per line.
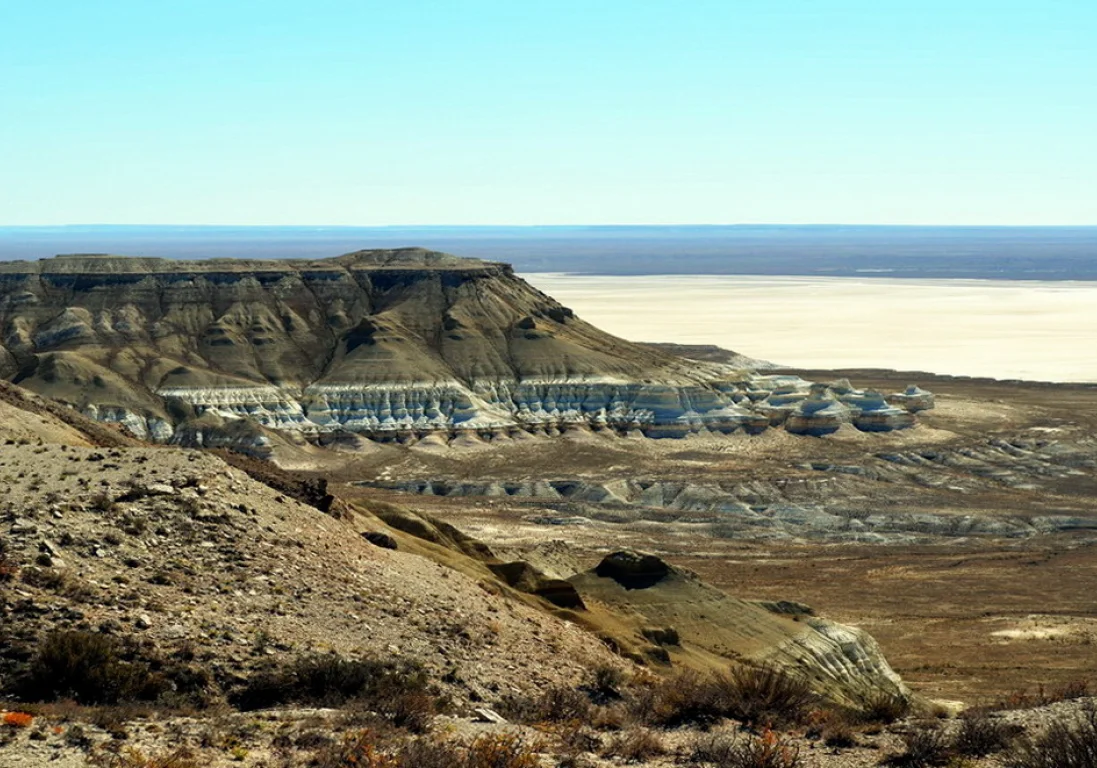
(102,225)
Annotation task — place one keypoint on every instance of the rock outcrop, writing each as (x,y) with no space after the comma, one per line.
(678,616)
(391,344)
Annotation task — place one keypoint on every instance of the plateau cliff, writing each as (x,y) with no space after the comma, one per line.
(387,344)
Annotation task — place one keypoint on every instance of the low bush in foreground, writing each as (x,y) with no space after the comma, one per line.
(982,735)
(635,746)
(756,696)
(397,690)
(1067,743)
(882,707)
(926,744)
(362,750)
(91,668)
(730,750)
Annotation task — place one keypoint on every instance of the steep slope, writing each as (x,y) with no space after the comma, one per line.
(699,625)
(383,343)
(187,555)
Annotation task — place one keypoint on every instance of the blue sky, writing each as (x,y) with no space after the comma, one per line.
(604,111)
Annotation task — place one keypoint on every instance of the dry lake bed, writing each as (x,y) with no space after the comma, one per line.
(1006,329)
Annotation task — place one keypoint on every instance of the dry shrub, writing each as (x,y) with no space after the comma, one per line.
(767,696)
(757,696)
(59,582)
(576,739)
(356,750)
(1043,696)
(981,735)
(1067,743)
(635,746)
(714,747)
(397,689)
(499,750)
(424,753)
(134,758)
(925,744)
(836,728)
(604,684)
(882,707)
(611,718)
(730,750)
(685,698)
(89,669)
(556,705)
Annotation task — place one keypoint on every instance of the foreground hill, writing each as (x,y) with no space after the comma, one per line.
(387,344)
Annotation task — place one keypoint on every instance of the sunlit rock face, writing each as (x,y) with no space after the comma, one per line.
(397,343)
(913,399)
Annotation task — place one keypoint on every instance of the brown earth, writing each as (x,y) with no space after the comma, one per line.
(965,617)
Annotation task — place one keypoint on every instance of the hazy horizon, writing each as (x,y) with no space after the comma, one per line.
(1014,253)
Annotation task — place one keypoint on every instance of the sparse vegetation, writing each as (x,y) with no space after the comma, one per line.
(635,746)
(556,705)
(93,669)
(982,735)
(1067,743)
(398,690)
(726,749)
(925,744)
(882,707)
(757,696)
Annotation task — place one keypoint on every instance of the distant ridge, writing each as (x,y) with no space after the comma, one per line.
(976,252)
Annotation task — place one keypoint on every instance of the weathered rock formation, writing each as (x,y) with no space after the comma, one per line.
(674,611)
(387,344)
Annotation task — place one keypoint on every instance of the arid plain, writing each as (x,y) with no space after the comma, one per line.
(1005,329)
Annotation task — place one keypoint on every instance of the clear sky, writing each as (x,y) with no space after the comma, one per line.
(601,111)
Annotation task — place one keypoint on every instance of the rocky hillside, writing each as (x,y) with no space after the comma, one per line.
(388,344)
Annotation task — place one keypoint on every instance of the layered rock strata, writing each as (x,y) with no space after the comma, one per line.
(386,344)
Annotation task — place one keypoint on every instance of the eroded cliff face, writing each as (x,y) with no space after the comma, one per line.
(386,344)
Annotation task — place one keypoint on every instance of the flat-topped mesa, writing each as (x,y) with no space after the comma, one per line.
(419,259)
(384,343)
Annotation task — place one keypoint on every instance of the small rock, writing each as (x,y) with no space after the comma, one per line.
(485,715)
(175,632)
(143,621)
(161,489)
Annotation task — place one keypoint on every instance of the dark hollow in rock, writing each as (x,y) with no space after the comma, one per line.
(524,577)
(661,635)
(633,570)
(379,539)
